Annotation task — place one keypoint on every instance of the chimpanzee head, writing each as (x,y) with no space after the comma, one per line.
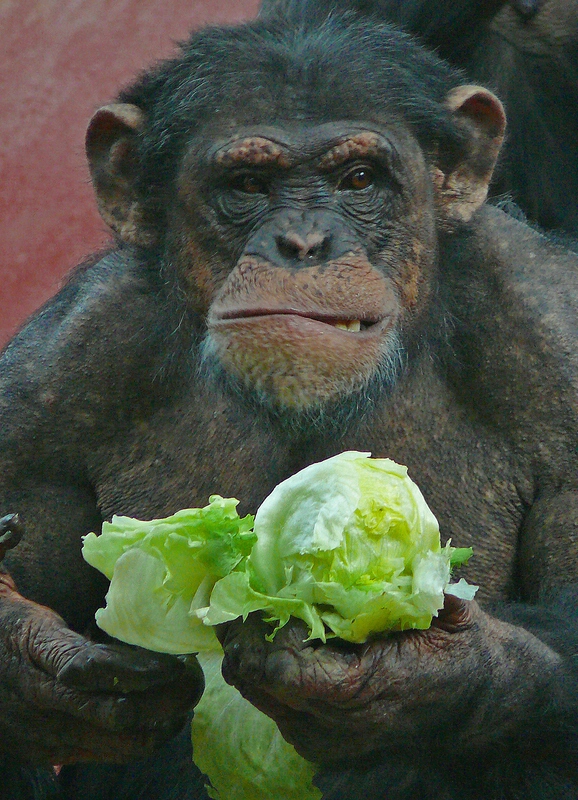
(297,181)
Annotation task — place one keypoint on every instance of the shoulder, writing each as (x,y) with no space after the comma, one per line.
(102,337)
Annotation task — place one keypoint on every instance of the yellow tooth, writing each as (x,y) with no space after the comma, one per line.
(353,325)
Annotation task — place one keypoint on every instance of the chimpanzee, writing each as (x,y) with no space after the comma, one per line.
(304,264)
(527,51)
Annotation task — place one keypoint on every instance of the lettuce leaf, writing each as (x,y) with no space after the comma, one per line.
(162,571)
(240,749)
(348,545)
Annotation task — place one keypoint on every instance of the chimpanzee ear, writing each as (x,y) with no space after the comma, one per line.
(462,188)
(112,156)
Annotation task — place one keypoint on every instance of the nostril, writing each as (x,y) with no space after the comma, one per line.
(295,247)
(291,246)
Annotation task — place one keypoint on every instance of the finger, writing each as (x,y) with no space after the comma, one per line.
(115,686)
(122,747)
(119,748)
(11,532)
(295,671)
(64,740)
(124,668)
(112,711)
(116,667)
(456,615)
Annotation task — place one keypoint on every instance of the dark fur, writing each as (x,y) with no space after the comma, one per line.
(21,782)
(103,410)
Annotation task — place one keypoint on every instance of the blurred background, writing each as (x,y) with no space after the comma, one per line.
(59,61)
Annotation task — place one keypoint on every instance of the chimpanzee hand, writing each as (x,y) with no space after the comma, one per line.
(65,699)
(338,702)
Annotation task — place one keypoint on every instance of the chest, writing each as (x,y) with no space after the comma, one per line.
(182,454)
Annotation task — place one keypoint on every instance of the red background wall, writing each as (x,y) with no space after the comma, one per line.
(59,61)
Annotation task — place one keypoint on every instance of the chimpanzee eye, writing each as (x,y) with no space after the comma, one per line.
(357,180)
(250,184)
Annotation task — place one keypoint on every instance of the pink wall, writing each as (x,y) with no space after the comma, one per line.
(59,61)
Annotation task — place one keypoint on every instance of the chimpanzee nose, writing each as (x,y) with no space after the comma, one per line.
(294,239)
(314,245)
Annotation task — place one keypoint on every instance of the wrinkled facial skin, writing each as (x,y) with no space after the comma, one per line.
(330,245)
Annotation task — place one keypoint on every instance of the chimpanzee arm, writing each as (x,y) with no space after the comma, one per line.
(57,389)
(65,699)
(541,764)
(62,697)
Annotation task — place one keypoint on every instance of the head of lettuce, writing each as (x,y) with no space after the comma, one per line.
(348,545)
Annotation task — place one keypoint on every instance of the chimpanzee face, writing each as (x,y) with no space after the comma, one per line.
(330,229)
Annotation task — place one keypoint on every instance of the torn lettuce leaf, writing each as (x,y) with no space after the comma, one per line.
(349,545)
(163,570)
(240,749)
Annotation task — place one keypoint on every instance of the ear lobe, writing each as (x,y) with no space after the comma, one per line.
(113,160)
(463,188)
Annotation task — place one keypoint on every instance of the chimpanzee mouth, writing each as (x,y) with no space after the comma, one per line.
(340,323)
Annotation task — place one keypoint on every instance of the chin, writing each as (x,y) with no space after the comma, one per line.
(307,384)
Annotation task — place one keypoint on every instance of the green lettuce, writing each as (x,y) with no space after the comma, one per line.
(162,571)
(348,545)
(240,749)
